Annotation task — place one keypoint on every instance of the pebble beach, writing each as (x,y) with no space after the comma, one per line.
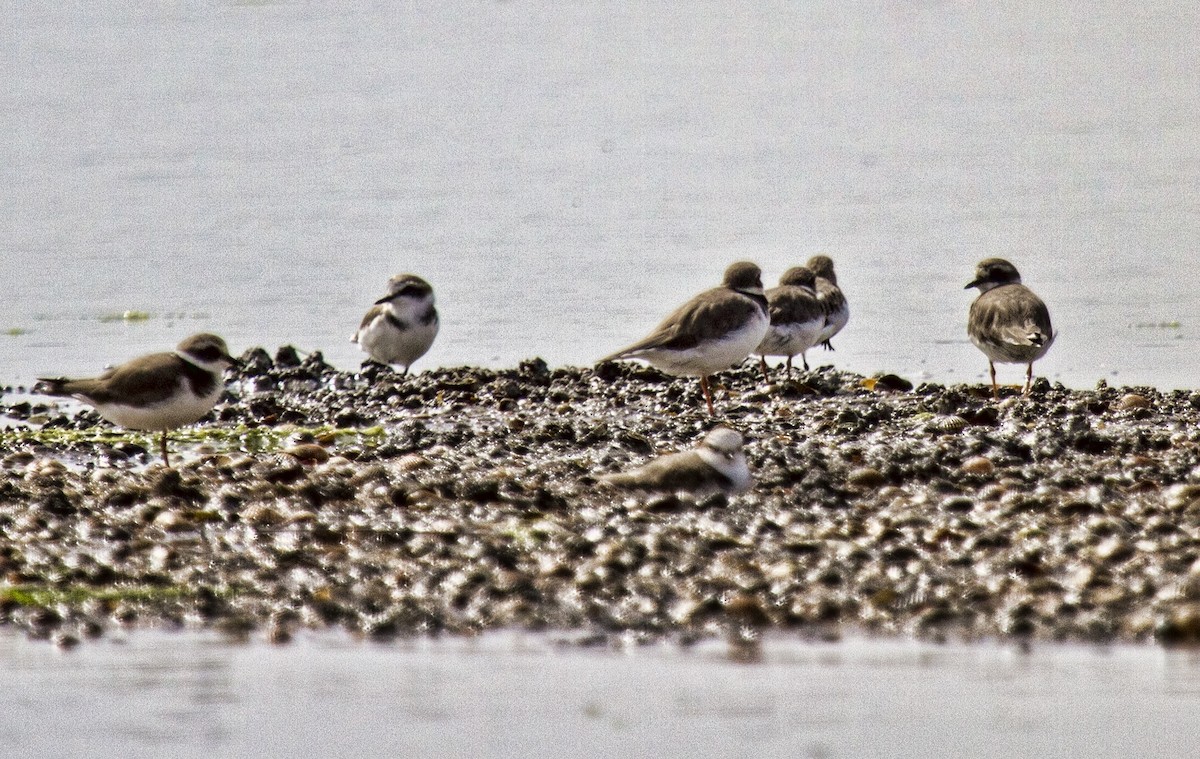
(462,500)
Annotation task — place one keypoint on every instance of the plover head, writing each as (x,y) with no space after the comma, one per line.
(993,272)
(724,442)
(721,449)
(206,351)
(745,277)
(407,286)
(798,276)
(822,266)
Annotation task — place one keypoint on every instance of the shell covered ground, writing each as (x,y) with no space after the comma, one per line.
(455,501)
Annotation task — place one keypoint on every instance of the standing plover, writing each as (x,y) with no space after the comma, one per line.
(713,331)
(1007,321)
(797,318)
(160,391)
(716,465)
(837,309)
(401,325)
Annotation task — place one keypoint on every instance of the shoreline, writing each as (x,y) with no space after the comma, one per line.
(464,500)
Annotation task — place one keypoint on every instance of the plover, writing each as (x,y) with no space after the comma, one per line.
(401,325)
(1007,321)
(797,318)
(716,465)
(160,391)
(837,309)
(713,331)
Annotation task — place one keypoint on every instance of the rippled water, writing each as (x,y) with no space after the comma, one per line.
(510,695)
(565,173)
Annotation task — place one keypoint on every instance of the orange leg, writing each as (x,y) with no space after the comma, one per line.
(1028,378)
(789,367)
(762,362)
(164,450)
(995,387)
(707,395)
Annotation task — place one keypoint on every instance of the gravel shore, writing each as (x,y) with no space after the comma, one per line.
(461,500)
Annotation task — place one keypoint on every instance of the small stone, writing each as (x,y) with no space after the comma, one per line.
(1113,549)
(978,465)
(413,462)
(866,478)
(1132,401)
(308,453)
(1181,627)
(172,520)
(747,610)
(263,516)
(893,383)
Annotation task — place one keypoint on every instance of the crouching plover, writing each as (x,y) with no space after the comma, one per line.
(716,465)
(160,391)
(713,331)
(837,309)
(797,318)
(401,325)
(1007,321)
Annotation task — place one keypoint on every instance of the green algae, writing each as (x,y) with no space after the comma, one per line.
(237,438)
(126,316)
(45,596)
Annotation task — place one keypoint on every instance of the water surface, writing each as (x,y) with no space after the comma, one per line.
(185,695)
(565,173)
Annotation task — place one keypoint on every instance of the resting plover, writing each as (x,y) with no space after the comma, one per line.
(713,331)
(401,325)
(837,309)
(716,465)
(797,318)
(1007,321)
(160,391)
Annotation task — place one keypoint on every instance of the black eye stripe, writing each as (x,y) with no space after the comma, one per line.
(412,290)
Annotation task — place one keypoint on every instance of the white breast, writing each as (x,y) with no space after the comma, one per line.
(183,408)
(713,355)
(835,322)
(388,345)
(791,339)
(734,468)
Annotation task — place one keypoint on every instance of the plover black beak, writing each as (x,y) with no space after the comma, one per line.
(237,362)
(972,283)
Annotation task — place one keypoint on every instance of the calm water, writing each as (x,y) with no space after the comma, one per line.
(507,695)
(565,173)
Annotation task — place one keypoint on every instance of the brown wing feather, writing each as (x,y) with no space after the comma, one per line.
(1012,315)
(830,294)
(794,305)
(372,312)
(711,314)
(678,471)
(149,380)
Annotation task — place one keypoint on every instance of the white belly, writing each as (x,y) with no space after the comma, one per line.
(837,320)
(184,409)
(1008,353)
(735,469)
(712,356)
(388,345)
(791,339)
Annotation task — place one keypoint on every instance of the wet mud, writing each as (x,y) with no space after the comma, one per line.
(462,500)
